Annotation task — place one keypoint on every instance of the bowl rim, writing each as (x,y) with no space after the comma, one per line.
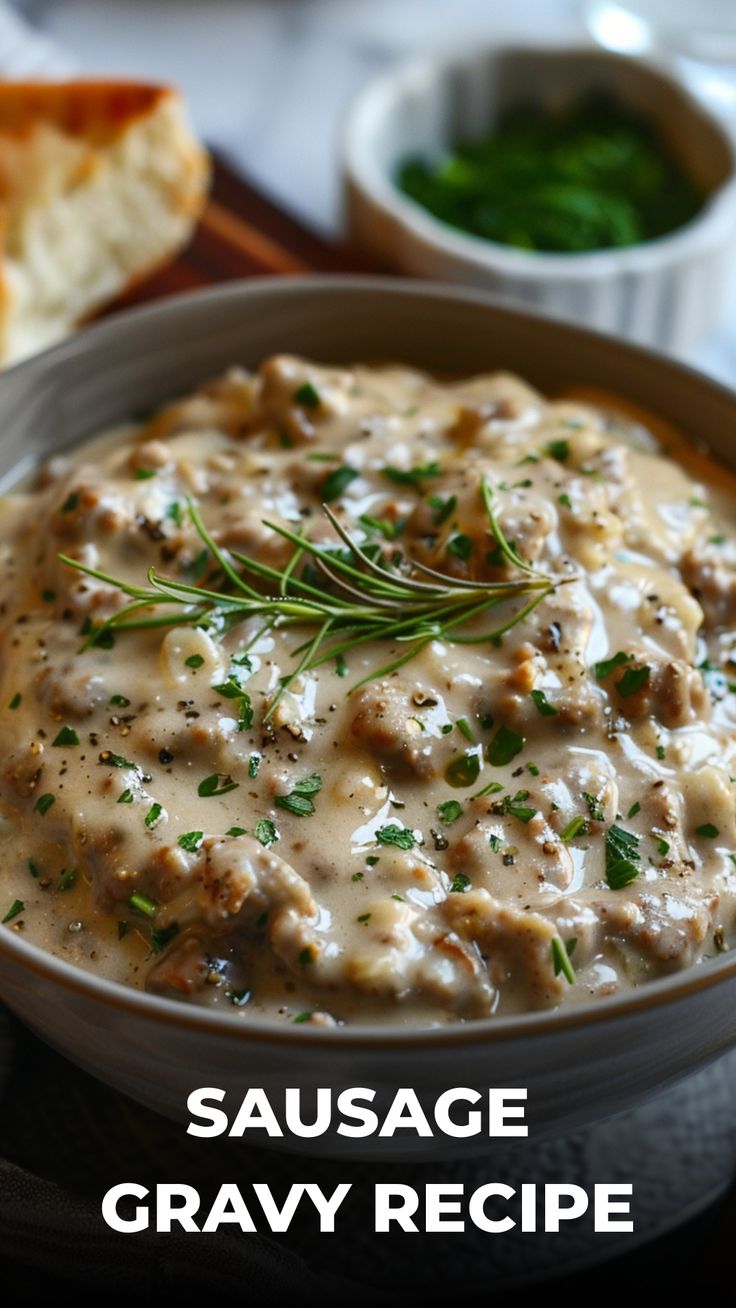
(665,991)
(367,178)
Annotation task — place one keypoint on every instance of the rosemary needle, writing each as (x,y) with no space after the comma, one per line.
(410,603)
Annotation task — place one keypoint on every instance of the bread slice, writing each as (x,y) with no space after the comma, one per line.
(100,183)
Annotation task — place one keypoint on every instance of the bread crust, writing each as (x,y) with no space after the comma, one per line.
(100,182)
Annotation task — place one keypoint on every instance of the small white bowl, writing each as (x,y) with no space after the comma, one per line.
(667,292)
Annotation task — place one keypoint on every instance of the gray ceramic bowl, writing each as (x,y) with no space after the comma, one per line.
(667,292)
(653,1054)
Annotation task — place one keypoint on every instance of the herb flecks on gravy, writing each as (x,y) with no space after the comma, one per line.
(442,727)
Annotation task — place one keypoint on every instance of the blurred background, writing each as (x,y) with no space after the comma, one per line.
(268,82)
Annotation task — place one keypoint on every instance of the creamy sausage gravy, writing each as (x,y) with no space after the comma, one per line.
(486,828)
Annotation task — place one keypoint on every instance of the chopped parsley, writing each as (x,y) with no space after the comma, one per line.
(163,936)
(110,760)
(558,449)
(336,482)
(633,680)
(577,826)
(622,856)
(191,840)
(401,837)
(442,508)
(144,474)
(663,845)
(266,832)
(70,503)
(564,500)
(126,797)
(412,476)
(450,811)
(605,667)
(245,715)
(254,762)
(299,800)
(463,770)
(459,884)
(546,709)
(16,907)
(708,830)
(236,831)
(153,815)
(595,808)
(306,957)
(220,783)
(43,804)
(460,546)
(230,689)
(492,788)
(307,395)
(635,808)
(67,878)
(516,807)
(15,701)
(388,529)
(195,661)
(119,701)
(67,736)
(506,744)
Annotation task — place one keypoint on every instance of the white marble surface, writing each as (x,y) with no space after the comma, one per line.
(268,80)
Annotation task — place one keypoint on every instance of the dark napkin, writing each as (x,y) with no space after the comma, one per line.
(66,1138)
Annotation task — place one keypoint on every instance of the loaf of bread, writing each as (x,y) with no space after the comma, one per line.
(100,183)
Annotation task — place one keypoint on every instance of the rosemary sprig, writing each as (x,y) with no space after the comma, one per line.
(409,603)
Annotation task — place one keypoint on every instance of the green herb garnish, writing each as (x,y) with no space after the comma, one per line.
(67,736)
(450,811)
(266,832)
(336,482)
(299,800)
(153,815)
(504,747)
(191,840)
(401,837)
(607,666)
(163,936)
(459,884)
(142,904)
(633,680)
(463,770)
(373,602)
(622,856)
(220,783)
(307,395)
(546,709)
(561,959)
